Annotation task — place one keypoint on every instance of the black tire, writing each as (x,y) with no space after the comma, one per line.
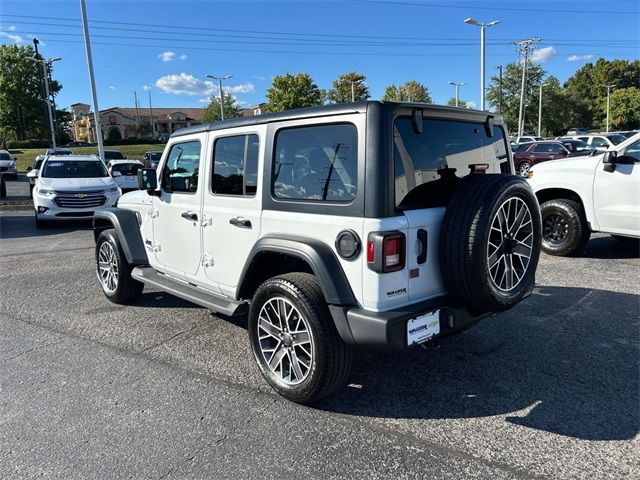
(40,223)
(523,169)
(31,191)
(125,288)
(565,230)
(330,359)
(471,246)
(3,187)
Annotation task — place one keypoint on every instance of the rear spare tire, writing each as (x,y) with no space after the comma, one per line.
(490,242)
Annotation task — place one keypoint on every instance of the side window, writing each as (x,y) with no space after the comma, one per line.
(235,165)
(555,148)
(599,142)
(180,174)
(316,163)
(633,150)
(542,148)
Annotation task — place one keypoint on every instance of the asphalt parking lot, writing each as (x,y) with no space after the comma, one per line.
(162,388)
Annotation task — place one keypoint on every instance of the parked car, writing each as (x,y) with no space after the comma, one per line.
(327,244)
(152,158)
(628,133)
(32,173)
(112,155)
(125,173)
(58,151)
(577,131)
(72,187)
(8,165)
(79,144)
(529,154)
(527,139)
(602,141)
(600,193)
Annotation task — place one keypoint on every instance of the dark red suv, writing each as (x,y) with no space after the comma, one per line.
(528,154)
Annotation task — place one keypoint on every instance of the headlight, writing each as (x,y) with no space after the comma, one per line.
(46,192)
(12,164)
(112,190)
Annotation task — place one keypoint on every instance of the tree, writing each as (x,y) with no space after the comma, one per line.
(461,103)
(293,91)
(21,90)
(511,84)
(212,110)
(624,111)
(587,91)
(114,134)
(341,88)
(411,91)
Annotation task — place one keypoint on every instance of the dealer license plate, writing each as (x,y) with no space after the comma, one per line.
(422,328)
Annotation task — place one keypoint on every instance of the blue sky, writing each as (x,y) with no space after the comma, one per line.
(168,47)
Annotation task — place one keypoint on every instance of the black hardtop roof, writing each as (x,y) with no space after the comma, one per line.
(325,110)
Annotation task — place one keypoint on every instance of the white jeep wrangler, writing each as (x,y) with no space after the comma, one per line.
(580,195)
(363,224)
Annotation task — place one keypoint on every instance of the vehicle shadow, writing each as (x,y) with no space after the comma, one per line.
(159,299)
(609,247)
(23,226)
(566,361)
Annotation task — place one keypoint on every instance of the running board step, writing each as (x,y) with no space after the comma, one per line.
(180,288)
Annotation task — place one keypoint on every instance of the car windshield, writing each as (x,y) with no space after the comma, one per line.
(126,168)
(616,139)
(155,155)
(113,155)
(59,151)
(74,169)
(5,156)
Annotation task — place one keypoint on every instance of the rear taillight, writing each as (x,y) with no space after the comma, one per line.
(386,251)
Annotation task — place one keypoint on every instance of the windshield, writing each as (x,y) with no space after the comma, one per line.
(616,139)
(155,155)
(126,168)
(5,156)
(59,151)
(113,155)
(74,169)
(429,165)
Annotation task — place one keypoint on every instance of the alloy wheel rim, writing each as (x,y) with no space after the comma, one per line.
(285,341)
(510,244)
(108,267)
(524,169)
(555,229)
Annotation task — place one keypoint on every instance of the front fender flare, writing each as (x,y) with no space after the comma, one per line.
(125,223)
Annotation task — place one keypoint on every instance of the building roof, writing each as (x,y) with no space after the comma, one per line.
(158,113)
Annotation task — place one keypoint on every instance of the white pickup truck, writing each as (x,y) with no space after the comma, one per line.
(580,195)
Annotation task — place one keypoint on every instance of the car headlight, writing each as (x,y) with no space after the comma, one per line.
(46,192)
(12,164)
(112,190)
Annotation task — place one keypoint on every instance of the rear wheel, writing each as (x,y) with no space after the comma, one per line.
(294,339)
(113,270)
(564,227)
(524,168)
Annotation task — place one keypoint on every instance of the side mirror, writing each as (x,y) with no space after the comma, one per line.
(610,157)
(29,169)
(116,174)
(15,159)
(148,180)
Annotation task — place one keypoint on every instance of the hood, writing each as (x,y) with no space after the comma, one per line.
(76,184)
(568,163)
(5,163)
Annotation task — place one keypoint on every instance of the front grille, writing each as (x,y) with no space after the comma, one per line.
(90,199)
(4,169)
(75,214)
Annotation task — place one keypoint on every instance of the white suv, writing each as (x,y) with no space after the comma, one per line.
(363,224)
(72,187)
(581,195)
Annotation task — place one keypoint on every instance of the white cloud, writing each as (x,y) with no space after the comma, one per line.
(146,87)
(241,88)
(541,55)
(167,56)
(12,28)
(184,84)
(203,100)
(111,87)
(12,36)
(183,56)
(577,58)
(258,77)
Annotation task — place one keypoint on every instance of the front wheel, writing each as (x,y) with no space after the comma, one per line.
(113,270)
(564,227)
(524,168)
(294,339)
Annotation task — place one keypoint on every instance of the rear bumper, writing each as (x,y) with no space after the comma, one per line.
(389,329)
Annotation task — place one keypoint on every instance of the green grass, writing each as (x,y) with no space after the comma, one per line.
(27,156)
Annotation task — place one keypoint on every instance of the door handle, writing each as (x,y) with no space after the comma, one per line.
(191,216)
(240,222)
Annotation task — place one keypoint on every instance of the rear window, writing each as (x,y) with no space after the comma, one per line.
(429,165)
(616,139)
(126,168)
(113,155)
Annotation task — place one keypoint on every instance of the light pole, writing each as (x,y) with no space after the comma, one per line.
(226,77)
(608,87)
(353,90)
(540,107)
(457,85)
(483,26)
(499,67)
(45,71)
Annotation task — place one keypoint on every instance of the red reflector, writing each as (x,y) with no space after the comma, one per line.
(371,252)
(392,251)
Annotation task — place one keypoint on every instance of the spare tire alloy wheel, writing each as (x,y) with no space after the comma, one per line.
(510,244)
(285,341)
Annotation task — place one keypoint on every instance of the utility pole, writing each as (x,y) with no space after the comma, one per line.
(540,108)
(94,95)
(226,77)
(353,91)
(608,87)
(135,99)
(499,67)
(483,27)
(47,93)
(523,47)
(153,130)
(457,85)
